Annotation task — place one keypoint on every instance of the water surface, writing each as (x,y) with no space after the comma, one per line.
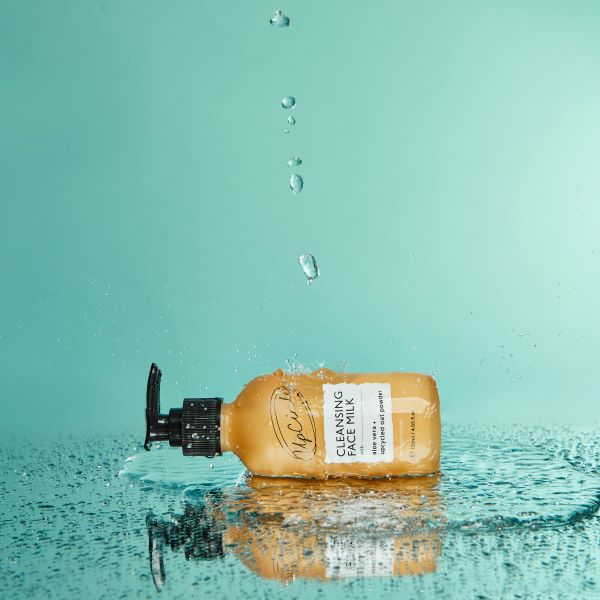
(513,514)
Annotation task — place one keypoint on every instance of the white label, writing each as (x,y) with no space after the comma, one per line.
(351,557)
(358,422)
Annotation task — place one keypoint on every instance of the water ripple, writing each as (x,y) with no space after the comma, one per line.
(484,484)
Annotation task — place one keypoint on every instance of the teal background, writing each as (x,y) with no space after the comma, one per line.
(451,200)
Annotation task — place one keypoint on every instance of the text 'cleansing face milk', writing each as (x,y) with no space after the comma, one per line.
(320,424)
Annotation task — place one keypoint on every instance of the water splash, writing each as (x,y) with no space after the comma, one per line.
(295,161)
(288,102)
(279,19)
(165,468)
(296,183)
(485,485)
(309,266)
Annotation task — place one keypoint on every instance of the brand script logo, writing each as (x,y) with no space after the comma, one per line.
(293,423)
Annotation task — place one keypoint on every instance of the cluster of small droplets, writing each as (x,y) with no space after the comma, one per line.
(288,103)
(296,182)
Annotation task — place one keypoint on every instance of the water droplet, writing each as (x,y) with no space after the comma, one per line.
(309,266)
(294,162)
(286,131)
(288,102)
(279,19)
(296,183)
(291,120)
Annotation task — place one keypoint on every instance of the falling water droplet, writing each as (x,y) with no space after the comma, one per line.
(291,120)
(288,102)
(309,266)
(279,19)
(294,162)
(296,183)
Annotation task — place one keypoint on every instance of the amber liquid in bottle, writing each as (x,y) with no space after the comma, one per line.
(327,424)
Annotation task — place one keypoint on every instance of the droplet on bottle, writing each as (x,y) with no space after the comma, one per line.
(291,120)
(309,266)
(279,19)
(296,183)
(288,102)
(295,161)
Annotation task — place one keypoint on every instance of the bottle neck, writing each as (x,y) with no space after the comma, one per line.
(226,427)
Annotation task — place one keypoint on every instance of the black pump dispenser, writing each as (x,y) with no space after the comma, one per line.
(195,427)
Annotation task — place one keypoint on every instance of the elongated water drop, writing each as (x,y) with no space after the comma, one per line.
(291,120)
(309,266)
(296,183)
(279,19)
(288,102)
(295,161)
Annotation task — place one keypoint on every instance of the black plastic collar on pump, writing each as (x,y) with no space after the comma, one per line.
(195,427)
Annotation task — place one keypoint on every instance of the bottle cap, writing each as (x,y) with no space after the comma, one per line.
(195,427)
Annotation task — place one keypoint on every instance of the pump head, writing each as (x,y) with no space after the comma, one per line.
(195,427)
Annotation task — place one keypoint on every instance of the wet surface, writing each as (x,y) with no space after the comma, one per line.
(513,514)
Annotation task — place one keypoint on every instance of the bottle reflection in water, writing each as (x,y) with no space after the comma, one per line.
(287,529)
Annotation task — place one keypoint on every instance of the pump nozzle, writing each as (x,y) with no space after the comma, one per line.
(195,427)
(152,404)
(160,427)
